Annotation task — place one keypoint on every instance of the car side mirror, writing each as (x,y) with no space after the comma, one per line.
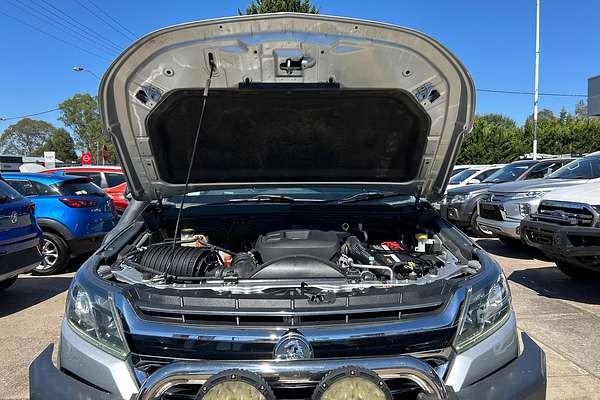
(474,182)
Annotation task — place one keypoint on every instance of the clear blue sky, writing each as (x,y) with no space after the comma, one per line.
(495,40)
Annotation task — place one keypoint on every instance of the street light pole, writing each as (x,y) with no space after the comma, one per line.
(81,69)
(536,79)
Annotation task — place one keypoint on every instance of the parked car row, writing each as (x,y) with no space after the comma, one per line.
(48,218)
(532,202)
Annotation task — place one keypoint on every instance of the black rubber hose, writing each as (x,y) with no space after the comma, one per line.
(354,249)
(186,261)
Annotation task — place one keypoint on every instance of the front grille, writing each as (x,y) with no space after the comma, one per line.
(346,324)
(566,213)
(296,319)
(490,211)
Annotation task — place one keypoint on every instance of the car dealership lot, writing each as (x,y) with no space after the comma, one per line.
(561,314)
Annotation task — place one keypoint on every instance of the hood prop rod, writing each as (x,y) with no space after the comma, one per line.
(211,62)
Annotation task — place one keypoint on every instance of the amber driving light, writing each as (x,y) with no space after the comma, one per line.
(352,383)
(235,384)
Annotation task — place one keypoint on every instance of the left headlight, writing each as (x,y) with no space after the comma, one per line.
(93,315)
(459,198)
(486,309)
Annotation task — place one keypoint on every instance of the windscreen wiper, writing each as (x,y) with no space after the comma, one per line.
(366,196)
(273,198)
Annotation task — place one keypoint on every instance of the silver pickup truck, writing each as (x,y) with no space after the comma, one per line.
(566,228)
(295,254)
(505,205)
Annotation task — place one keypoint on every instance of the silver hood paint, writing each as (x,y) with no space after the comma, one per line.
(353,53)
(535,184)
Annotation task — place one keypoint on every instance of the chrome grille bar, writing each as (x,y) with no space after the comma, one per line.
(293,372)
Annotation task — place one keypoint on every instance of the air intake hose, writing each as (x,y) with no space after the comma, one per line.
(187,261)
(354,249)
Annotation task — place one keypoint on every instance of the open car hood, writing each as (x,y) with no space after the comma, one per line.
(295,99)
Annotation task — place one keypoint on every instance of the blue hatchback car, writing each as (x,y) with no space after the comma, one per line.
(73,213)
(20,237)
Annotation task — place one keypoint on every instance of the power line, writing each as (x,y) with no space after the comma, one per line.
(28,115)
(55,37)
(531,93)
(104,20)
(60,26)
(133,35)
(86,30)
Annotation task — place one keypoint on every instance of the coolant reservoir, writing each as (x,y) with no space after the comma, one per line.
(421,238)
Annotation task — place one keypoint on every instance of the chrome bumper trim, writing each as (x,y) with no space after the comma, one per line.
(290,372)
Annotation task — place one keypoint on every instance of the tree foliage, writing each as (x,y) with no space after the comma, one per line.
(25,136)
(274,6)
(61,143)
(80,114)
(498,139)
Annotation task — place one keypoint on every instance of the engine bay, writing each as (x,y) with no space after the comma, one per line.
(351,255)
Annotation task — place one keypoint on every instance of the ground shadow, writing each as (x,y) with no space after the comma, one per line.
(517,250)
(31,290)
(550,282)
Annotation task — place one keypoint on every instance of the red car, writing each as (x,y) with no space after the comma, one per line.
(110,179)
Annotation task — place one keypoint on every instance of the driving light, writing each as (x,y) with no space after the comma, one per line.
(93,317)
(235,384)
(352,383)
(485,310)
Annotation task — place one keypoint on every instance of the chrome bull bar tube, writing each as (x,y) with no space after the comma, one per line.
(279,373)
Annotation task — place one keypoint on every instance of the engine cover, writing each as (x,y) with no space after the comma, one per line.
(319,244)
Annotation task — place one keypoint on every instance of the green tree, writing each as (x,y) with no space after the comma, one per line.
(274,6)
(494,139)
(61,143)
(80,114)
(25,136)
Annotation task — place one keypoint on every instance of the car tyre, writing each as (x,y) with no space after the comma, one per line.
(55,255)
(7,283)
(577,272)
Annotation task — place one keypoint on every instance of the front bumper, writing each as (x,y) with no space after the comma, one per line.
(522,379)
(509,229)
(456,214)
(569,243)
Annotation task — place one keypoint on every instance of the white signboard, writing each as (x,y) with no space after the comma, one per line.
(49,159)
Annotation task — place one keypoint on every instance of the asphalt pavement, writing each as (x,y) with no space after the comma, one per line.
(561,314)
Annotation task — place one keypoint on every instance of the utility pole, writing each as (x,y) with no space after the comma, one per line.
(536,79)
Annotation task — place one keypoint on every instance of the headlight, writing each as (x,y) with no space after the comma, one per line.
(459,198)
(486,309)
(94,317)
(530,195)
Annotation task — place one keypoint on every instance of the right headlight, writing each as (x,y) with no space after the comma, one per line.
(93,315)
(486,309)
(459,198)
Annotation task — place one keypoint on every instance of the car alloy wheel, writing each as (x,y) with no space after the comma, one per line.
(49,255)
(55,255)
